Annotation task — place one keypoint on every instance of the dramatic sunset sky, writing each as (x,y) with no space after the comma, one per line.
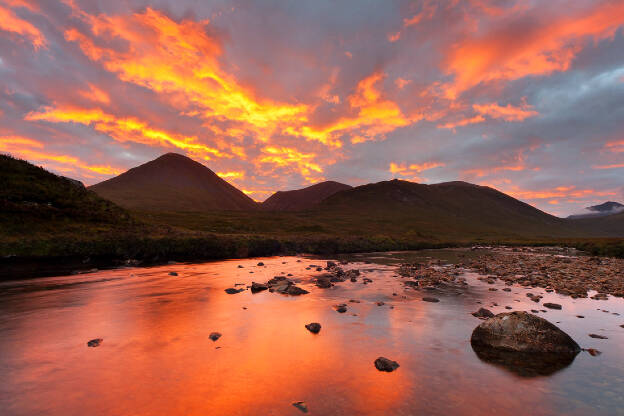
(526,96)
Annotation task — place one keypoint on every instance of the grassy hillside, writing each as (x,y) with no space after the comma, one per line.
(34,201)
(303,199)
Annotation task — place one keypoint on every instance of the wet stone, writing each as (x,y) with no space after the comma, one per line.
(233,291)
(301,406)
(596,336)
(341,308)
(258,287)
(94,342)
(552,305)
(214,336)
(173,274)
(313,327)
(384,364)
(483,313)
(430,299)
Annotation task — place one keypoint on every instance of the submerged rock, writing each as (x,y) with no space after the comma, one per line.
(324,282)
(313,327)
(552,305)
(341,308)
(430,299)
(384,364)
(596,336)
(214,336)
(295,291)
(233,291)
(523,332)
(95,342)
(483,313)
(173,274)
(260,264)
(301,406)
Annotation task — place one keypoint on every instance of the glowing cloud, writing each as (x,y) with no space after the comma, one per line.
(10,22)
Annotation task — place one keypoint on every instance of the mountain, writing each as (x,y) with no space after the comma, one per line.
(34,200)
(450,209)
(607,208)
(303,199)
(173,182)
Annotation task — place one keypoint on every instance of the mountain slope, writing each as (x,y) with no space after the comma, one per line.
(33,199)
(452,209)
(303,199)
(173,182)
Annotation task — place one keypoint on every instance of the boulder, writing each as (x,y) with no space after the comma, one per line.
(552,305)
(523,332)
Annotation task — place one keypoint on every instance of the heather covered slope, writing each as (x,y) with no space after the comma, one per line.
(35,201)
(448,210)
(173,182)
(303,199)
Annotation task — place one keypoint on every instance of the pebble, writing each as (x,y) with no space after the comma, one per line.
(95,342)
(384,364)
(313,327)
(214,336)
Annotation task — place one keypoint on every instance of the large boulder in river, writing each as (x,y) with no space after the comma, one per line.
(523,332)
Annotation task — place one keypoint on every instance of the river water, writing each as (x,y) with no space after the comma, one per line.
(156,357)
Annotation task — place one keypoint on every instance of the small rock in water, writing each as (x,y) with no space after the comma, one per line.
(313,327)
(240,266)
(323,282)
(301,406)
(506,289)
(354,301)
(341,308)
(173,274)
(593,352)
(95,342)
(580,316)
(214,336)
(258,287)
(380,303)
(508,307)
(384,364)
(552,305)
(429,299)
(296,291)
(483,313)
(260,264)
(598,336)
(232,291)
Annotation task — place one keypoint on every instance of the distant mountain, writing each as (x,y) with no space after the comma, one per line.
(33,200)
(303,199)
(173,182)
(607,208)
(452,209)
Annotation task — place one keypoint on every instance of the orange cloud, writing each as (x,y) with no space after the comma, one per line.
(462,122)
(401,83)
(232,175)
(10,22)
(507,113)
(558,192)
(412,170)
(123,129)
(95,94)
(33,151)
(613,166)
(502,55)
(615,146)
(285,156)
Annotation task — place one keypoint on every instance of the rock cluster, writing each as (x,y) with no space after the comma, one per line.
(568,275)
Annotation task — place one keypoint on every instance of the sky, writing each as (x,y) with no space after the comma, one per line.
(525,96)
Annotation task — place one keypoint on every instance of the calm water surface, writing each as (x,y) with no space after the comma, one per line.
(157,359)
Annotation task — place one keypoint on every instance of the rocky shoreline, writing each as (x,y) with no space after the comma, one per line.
(556,270)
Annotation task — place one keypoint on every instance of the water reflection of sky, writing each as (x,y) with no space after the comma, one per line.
(156,357)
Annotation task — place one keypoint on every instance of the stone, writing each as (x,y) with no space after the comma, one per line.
(233,291)
(596,336)
(552,305)
(173,274)
(94,342)
(341,308)
(384,364)
(260,264)
(258,287)
(301,406)
(313,327)
(593,352)
(214,336)
(483,313)
(296,291)
(324,282)
(523,332)
(430,299)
